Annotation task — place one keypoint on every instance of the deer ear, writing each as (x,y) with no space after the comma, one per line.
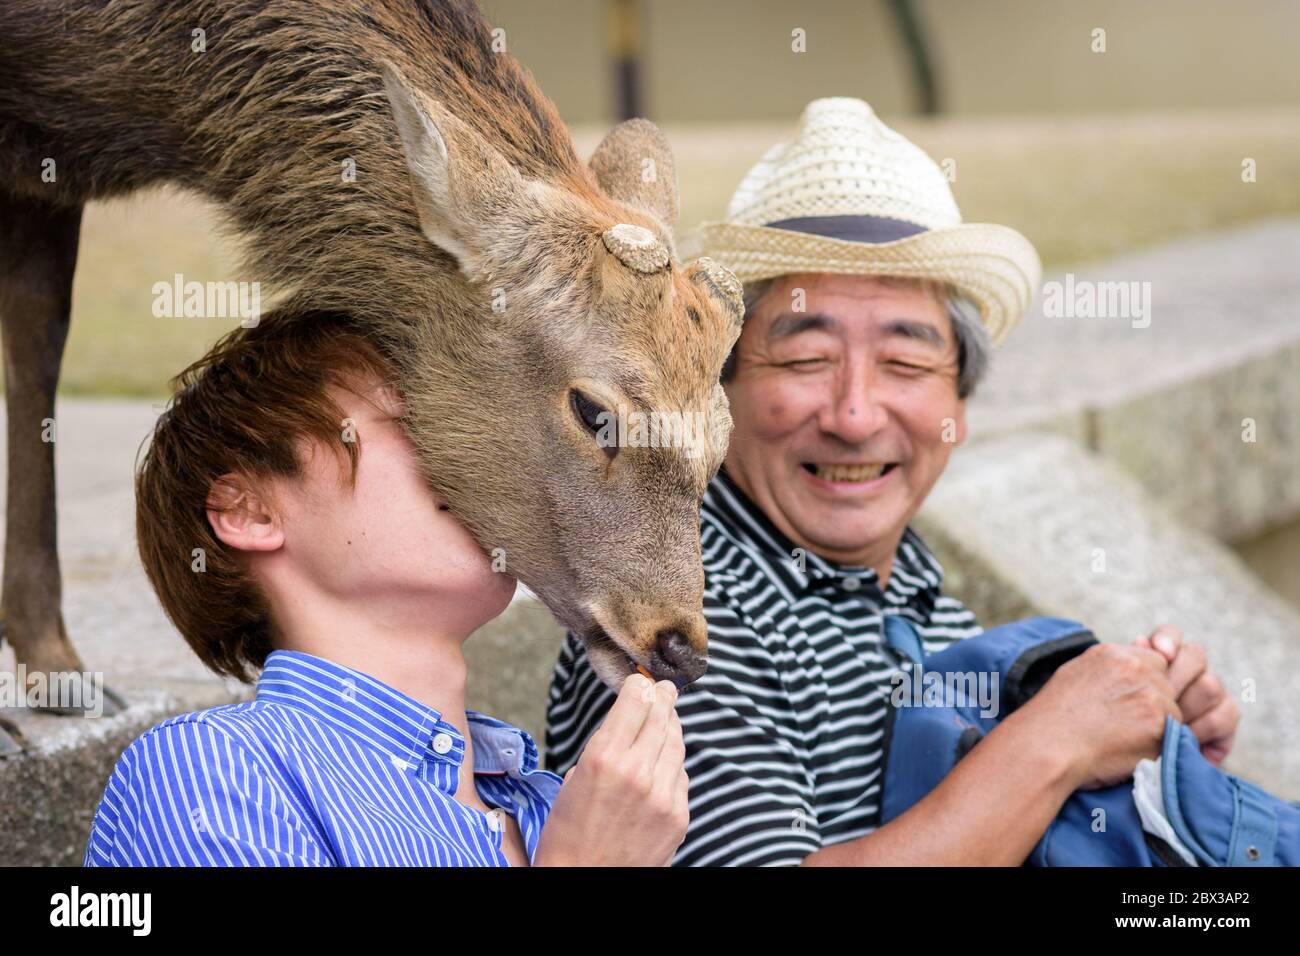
(634,164)
(458,180)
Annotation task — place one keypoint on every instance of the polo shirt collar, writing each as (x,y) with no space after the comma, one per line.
(916,574)
(400,727)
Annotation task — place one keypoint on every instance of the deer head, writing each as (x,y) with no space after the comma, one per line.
(567,404)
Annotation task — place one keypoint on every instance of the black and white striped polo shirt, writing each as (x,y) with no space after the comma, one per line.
(784,731)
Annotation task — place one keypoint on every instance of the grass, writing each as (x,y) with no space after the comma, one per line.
(116,345)
(1081,188)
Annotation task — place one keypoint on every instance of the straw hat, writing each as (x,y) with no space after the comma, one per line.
(850,195)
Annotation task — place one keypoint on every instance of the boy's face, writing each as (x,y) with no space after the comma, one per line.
(388,542)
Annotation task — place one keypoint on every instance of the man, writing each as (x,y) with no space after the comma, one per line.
(285,525)
(870,313)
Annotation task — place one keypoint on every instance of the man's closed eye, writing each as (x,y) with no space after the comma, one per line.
(803,363)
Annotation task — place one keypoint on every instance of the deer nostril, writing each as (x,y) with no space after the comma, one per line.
(674,659)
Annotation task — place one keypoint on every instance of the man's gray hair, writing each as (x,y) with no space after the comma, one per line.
(973,346)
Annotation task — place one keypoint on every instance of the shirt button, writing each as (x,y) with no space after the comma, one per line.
(442,743)
(494,821)
(852,584)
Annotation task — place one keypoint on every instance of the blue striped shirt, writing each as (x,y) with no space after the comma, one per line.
(326,766)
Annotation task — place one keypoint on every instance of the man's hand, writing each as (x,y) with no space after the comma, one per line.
(1089,725)
(1104,710)
(624,803)
(1207,709)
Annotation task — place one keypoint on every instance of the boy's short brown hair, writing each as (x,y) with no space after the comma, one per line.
(244,407)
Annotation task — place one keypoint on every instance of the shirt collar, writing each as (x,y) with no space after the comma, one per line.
(916,577)
(406,731)
(500,748)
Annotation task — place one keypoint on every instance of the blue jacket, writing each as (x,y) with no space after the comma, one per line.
(1221,819)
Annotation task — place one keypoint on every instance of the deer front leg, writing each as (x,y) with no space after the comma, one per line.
(38,253)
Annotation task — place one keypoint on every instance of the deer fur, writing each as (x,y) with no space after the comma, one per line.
(474,245)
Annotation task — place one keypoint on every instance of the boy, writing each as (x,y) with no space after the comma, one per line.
(284,524)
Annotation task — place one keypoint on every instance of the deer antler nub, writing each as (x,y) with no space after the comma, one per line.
(636,247)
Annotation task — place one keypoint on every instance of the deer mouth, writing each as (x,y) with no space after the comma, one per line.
(672,659)
(600,644)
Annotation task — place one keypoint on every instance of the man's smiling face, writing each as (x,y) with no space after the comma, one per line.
(845,411)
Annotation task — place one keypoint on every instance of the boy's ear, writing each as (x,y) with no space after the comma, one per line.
(241,518)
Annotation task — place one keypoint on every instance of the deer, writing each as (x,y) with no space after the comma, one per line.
(521,294)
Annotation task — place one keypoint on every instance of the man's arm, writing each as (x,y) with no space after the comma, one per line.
(990,810)
(1089,725)
(188,794)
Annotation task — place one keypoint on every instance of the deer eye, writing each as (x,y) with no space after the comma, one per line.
(588,412)
(593,417)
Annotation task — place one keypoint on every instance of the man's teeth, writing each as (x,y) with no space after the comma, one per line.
(850,472)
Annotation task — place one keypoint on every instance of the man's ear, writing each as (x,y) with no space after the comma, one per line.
(464,190)
(242,518)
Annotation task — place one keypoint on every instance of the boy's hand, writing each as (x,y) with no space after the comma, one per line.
(624,803)
(1207,709)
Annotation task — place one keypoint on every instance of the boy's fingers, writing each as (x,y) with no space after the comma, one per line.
(628,713)
(650,740)
(673,753)
(681,791)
